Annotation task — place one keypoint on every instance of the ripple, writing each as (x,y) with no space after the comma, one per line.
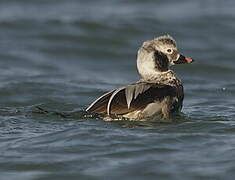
(61,55)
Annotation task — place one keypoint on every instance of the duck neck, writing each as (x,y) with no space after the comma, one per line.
(154,74)
(166,77)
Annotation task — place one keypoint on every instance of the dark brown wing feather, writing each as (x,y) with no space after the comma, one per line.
(100,104)
(130,98)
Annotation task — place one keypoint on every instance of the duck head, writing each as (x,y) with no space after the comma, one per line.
(155,56)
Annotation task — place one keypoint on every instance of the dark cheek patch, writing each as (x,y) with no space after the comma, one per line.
(161,61)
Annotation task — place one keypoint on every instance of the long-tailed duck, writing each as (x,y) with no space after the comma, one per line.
(158,92)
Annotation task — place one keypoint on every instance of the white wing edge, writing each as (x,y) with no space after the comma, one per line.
(111,98)
(92,104)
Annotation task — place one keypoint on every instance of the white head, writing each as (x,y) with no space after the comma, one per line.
(155,56)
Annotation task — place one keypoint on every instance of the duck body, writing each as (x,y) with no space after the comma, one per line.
(164,97)
(159,92)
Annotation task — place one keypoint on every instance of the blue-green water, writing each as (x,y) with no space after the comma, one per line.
(62,54)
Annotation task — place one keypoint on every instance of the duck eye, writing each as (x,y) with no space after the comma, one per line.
(169,50)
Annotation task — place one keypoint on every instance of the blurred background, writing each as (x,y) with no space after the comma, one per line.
(62,54)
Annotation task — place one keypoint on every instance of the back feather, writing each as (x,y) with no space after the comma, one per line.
(130,98)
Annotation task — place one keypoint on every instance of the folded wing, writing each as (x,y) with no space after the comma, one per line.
(130,98)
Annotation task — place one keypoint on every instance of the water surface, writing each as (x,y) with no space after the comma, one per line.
(61,55)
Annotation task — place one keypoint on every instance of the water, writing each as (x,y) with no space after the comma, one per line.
(61,55)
